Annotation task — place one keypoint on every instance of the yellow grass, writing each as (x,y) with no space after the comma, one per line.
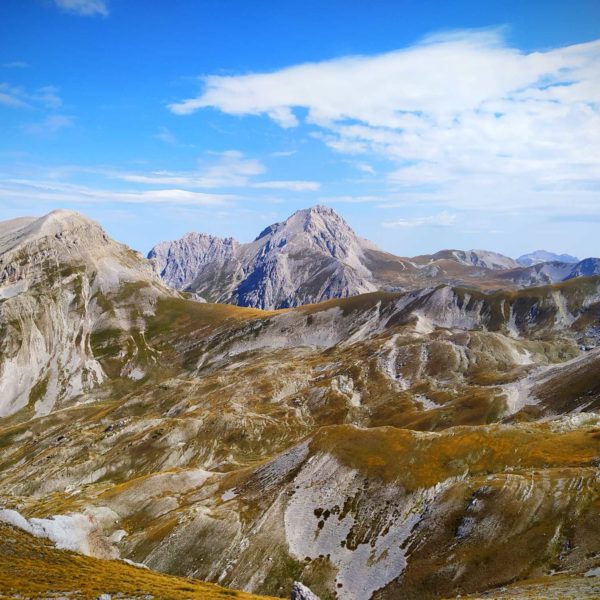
(32,568)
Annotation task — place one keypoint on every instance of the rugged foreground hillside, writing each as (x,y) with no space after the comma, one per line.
(31,567)
(314,256)
(417,444)
(62,279)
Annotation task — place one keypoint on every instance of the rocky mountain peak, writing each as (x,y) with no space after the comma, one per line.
(179,262)
(318,218)
(314,220)
(61,278)
(58,224)
(542,256)
(317,229)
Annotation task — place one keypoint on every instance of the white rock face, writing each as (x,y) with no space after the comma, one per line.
(77,532)
(301,592)
(179,262)
(316,524)
(54,272)
(312,256)
(485,259)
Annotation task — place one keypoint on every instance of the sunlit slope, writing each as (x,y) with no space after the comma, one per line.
(390,513)
(584,586)
(32,568)
(382,512)
(414,445)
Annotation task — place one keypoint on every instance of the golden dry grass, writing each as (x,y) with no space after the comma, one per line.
(32,568)
(418,460)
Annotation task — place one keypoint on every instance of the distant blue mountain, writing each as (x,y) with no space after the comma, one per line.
(542,256)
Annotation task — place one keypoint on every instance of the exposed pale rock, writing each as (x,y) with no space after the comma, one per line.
(301,592)
(312,256)
(55,273)
(485,259)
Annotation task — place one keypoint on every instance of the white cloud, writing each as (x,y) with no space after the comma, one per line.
(48,97)
(292,186)
(16,64)
(166,136)
(282,153)
(59,192)
(86,8)
(443,219)
(365,168)
(470,119)
(349,199)
(230,169)
(233,166)
(45,97)
(50,125)
(12,96)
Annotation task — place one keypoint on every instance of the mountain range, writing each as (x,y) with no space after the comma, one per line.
(398,428)
(542,256)
(314,255)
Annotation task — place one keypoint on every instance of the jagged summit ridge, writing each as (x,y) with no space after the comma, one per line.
(312,256)
(179,262)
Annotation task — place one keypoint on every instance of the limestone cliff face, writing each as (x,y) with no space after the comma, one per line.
(57,276)
(312,256)
(180,262)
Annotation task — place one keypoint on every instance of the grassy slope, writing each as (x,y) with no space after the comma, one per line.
(418,460)
(31,567)
(178,324)
(557,587)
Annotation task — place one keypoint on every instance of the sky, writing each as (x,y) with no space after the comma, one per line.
(426,124)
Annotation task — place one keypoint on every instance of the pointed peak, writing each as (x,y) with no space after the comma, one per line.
(318,209)
(318,214)
(305,219)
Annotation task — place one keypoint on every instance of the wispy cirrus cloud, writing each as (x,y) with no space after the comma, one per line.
(229,169)
(443,219)
(49,126)
(464,117)
(86,8)
(48,97)
(15,64)
(283,153)
(292,186)
(12,96)
(58,193)
(166,136)
(45,97)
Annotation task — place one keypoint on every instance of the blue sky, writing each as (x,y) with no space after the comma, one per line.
(426,124)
